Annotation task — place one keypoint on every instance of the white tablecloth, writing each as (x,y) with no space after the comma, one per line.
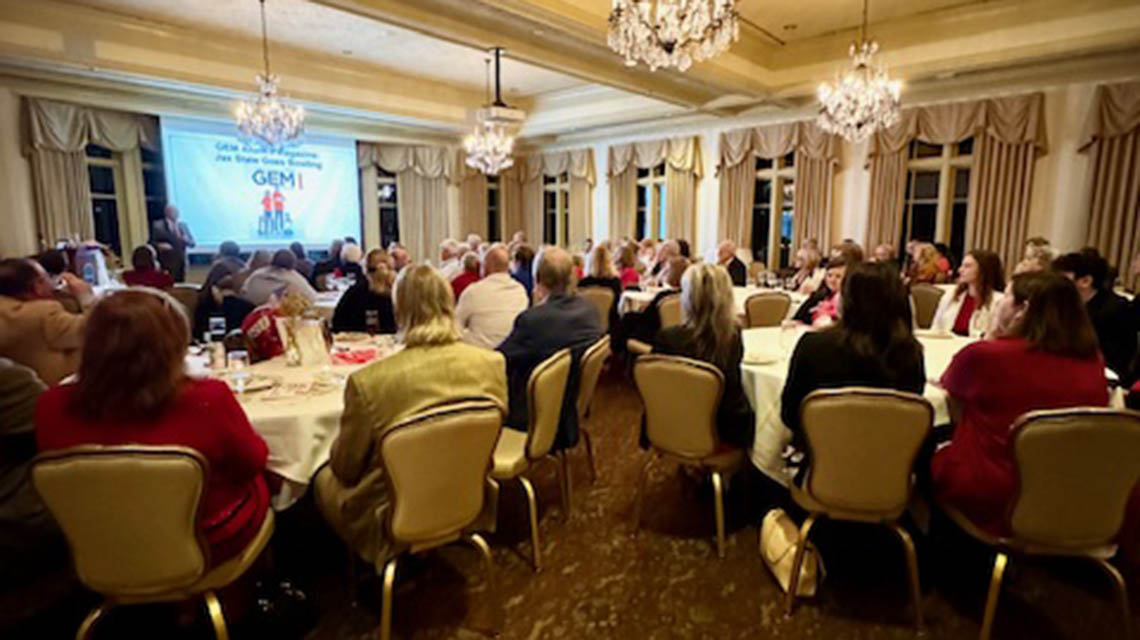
(763,384)
(639,300)
(326,303)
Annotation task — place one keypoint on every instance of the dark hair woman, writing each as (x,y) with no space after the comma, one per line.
(1043,355)
(132,389)
(145,271)
(968,311)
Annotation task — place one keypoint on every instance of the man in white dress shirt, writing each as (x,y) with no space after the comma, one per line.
(487,309)
(449,264)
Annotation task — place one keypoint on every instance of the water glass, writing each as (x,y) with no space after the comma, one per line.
(789,335)
(239,363)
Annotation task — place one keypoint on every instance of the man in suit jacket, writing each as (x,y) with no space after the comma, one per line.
(35,330)
(726,257)
(172,238)
(559,320)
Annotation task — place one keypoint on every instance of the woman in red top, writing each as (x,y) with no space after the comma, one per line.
(146,272)
(1044,356)
(132,390)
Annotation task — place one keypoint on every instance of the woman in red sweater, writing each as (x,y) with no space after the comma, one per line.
(1044,356)
(132,390)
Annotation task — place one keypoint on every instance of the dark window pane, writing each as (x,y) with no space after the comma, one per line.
(550,219)
(389,225)
(548,180)
(958,229)
(492,180)
(106,216)
(642,196)
(102,179)
(763,163)
(920,149)
(761,226)
(966,147)
(154,184)
(923,218)
(641,223)
(790,159)
(150,157)
(155,208)
(926,185)
(763,191)
(566,221)
(384,174)
(493,232)
(961,184)
(643,173)
(492,197)
(95,151)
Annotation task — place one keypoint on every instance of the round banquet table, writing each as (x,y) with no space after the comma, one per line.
(326,303)
(764,384)
(298,425)
(632,300)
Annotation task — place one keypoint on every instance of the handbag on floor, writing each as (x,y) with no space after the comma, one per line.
(779,537)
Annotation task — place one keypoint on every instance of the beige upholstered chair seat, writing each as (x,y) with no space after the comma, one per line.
(805,500)
(510,454)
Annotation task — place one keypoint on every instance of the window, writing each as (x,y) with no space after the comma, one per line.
(651,220)
(105,173)
(775,191)
(937,195)
(154,183)
(556,208)
(389,215)
(494,223)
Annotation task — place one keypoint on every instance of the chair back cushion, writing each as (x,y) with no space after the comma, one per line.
(669,310)
(129,514)
(545,391)
(592,362)
(863,443)
(437,463)
(603,300)
(767,309)
(926,298)
(188,296)
(681,397)
(1076,469)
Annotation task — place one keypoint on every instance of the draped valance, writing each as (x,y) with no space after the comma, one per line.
(427,162)
(681,154)
(777,140)
(1009,120)
(61,126)
(578,163)
(1115,112)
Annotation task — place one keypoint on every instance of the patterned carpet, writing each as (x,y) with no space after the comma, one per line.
(599,582)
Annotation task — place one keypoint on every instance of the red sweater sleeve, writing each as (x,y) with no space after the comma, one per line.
(963,376)
(246,451)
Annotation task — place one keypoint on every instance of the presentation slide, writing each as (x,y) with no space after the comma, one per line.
(227,189)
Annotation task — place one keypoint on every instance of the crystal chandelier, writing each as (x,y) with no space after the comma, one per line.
(489,147)
(672,33)
(268,120)
(862,100)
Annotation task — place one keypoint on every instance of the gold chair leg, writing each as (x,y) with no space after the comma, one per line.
(216,615)
(477,541)
(590,455)
(992,598)
(386,599)
(641,478)
(532,508)
(1120,587)
(88,625)
(718,491)
(912,573)
(798,563)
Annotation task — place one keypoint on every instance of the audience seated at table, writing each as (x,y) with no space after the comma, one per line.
(226,264)
(726,257)
(434,368)
(486,312)
(522,268)
(966,311)
(627,267)
(54,262)
(665,251)
(258,259)
(449,259)
(132,390)
(1043,355)
(808,276)
(31,543)
(945,260)
(822,307)
(643,325)
(367,305)
(603,274)
(924,267)
(304,266)
(646,255)
(35,330)
(710,333)
(468,276)
(145,271)
(873,345)
(332,267)
(884,253)
(558,320)
(1112,316)
(279,278)
(400,257)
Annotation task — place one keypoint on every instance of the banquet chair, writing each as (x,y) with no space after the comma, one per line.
(188,296)
(516,452)
(926,298)
(603,300)
(767,309)
(130,516)
(755,269)
(862,443)
(669,310)
(437,463)
(1076,469)
(681,398)
(591,370)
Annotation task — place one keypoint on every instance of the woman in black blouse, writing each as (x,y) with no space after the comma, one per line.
(367,305)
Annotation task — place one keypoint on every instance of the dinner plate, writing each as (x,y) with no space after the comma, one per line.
(760,357)
(930,333)
(253,382)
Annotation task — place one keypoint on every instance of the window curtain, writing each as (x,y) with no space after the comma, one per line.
(1112,138)
(472,198)
(683,170)
(579,165)
(817,157)
(57,134)
(422,177)
(1009,134)
(511,200)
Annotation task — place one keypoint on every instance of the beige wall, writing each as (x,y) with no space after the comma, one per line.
(17,222)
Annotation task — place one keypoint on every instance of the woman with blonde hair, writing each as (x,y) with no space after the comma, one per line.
(808,275)
(602,274)
(710,333)
(434,368)
(925,268)
(367,306)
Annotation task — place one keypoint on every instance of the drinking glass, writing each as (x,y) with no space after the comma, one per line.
(239,363)
(789,335)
